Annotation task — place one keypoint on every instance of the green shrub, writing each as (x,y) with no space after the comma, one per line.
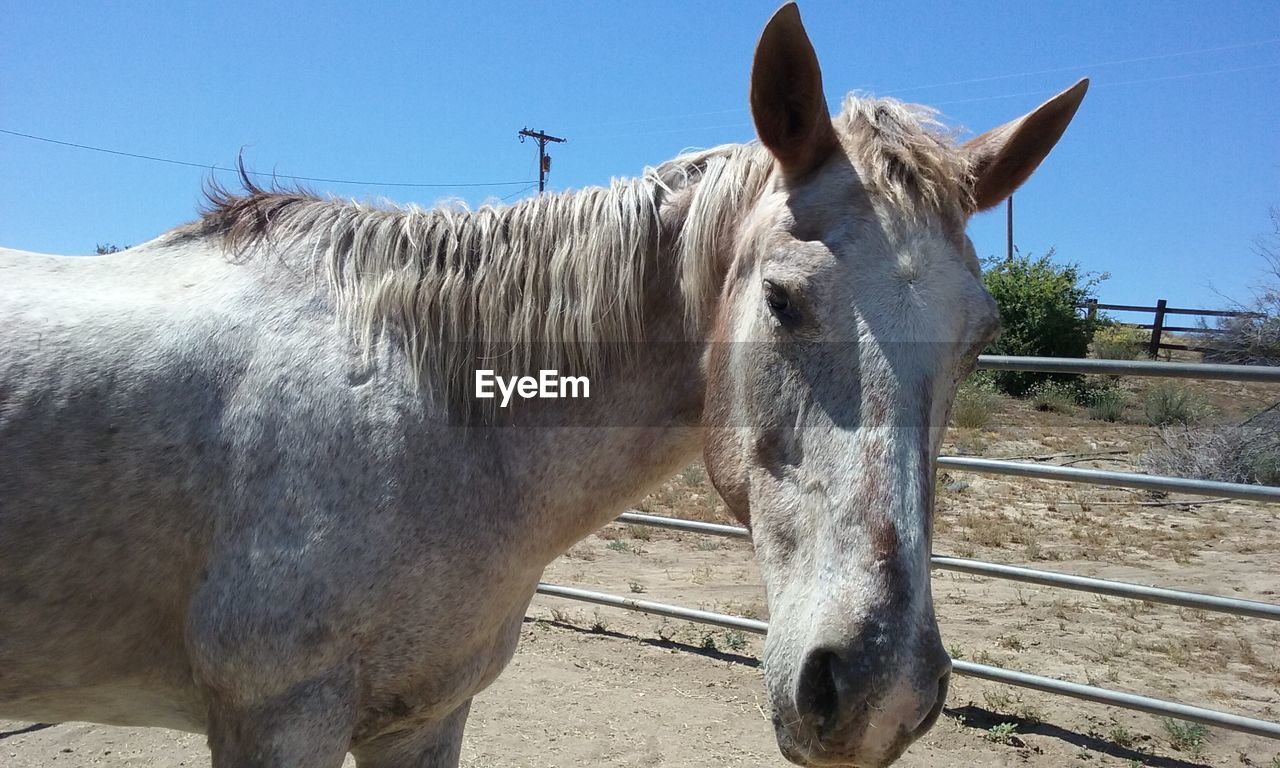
(1038,300)
(1185,736)
(1055,396)
(976,400)
(1003,733)
(1172,403)
(1119,342)
(1106,403)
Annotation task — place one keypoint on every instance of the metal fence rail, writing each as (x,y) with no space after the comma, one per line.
(1206,371)
(1232,605)
(1255,609)
(983,671)
(679,524)
(1264,493)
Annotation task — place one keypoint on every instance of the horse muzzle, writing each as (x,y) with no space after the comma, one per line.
(863,702)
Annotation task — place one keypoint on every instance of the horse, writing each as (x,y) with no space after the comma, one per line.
(246,489)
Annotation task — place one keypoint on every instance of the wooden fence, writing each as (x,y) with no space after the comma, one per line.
(1158,325)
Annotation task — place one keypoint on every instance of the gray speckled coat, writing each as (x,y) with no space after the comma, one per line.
(215,514)
(214,517)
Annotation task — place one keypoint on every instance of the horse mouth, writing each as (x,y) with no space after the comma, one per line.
(935,711)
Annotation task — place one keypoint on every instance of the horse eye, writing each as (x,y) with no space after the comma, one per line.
(780,303)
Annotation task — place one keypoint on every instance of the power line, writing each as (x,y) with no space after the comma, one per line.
(531,183)
(1031,73)
(1095,65)
(519,192)
(204,166)
(1042,92)
(1097,85)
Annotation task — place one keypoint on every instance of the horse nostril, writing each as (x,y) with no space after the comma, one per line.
(818,695)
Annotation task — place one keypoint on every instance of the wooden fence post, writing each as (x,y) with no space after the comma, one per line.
(1157,326)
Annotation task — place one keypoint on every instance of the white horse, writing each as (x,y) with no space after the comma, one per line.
(246,489)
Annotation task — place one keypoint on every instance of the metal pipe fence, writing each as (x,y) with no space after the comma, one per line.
(971,669)
(1236,606)
(1233,605)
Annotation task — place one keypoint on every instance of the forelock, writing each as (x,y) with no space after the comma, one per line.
(906,155)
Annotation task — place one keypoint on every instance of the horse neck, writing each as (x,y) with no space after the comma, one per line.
(640,426)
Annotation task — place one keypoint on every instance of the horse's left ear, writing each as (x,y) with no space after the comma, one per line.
(1002,158)
(787,103)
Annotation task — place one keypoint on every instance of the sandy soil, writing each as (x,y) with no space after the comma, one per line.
(599,686)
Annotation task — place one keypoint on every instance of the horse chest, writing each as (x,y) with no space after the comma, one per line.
(427,671)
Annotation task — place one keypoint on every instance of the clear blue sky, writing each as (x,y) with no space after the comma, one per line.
(1163,180)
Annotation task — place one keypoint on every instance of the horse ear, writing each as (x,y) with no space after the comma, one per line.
(787,104)
(1001,159)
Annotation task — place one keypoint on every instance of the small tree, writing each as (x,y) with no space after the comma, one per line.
(105,248)
(1038,302)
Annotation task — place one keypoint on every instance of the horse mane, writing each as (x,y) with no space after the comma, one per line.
(552,281)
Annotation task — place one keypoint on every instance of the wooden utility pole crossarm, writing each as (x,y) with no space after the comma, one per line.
(544,160)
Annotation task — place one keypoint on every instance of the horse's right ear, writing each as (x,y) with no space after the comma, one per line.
(787,103)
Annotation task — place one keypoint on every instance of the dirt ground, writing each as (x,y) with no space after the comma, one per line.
(597,686)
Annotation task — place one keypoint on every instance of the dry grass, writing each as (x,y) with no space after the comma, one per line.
(1244,453)
(976,400)
(689,495)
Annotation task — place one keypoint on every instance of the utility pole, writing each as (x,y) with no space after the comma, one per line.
(1009,230)
(544,160)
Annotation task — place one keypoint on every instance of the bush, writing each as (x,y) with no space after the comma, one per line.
(1118,342)
(976,399)
(1254,340)
(1247,340)
(1056,396)
(1247,453)
(1106,403)
(1037,300)
(1171,403)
